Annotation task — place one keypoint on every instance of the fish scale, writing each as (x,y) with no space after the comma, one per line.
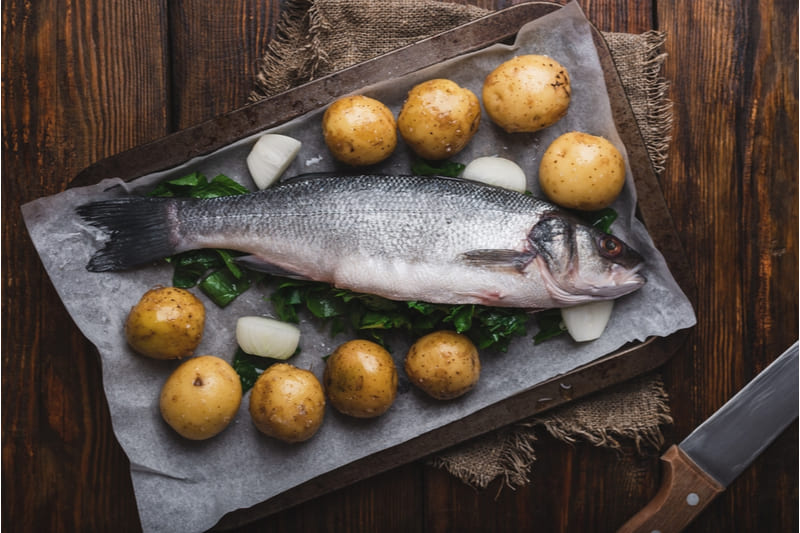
(377,210)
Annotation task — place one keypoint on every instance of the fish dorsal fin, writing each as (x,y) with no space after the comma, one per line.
(492,258)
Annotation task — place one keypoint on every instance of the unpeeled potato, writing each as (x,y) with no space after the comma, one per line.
(166,323)
(360,379)
(582,171)
(359,130)
(287,403)
(439,118)
(527,93)
(201,397)
(444,364)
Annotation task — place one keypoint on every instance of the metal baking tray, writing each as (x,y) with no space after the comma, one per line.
(630,361)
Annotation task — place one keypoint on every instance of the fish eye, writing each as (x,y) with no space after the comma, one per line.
(610,246)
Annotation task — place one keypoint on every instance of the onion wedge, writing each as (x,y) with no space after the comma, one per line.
(496,171)
(586,322)
(270,157)
(266,337)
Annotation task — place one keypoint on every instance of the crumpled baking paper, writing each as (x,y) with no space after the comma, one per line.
(184,486)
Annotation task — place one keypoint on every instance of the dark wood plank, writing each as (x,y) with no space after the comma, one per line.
(71,94)
(215,48)
(733,172)
(390,502)
(626,16)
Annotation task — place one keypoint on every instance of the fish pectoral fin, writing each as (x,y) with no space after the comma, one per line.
(253,262)
(502,259)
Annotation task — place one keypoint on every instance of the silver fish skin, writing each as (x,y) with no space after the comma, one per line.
(434,239)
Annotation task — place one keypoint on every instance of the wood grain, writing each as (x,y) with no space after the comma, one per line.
(215,51)
(733,172)
(86,79)
(68,100)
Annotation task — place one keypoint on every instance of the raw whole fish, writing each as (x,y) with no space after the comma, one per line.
(435,239)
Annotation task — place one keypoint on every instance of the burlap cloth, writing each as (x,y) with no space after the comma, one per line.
(318,37)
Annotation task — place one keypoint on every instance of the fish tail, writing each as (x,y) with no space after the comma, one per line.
(138,228)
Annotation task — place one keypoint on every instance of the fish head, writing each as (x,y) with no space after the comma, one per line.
(579,263)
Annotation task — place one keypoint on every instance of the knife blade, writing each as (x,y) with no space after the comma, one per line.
(716,452)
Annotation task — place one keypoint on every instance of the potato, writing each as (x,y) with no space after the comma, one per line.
(167,323)
(359,130)
(360,379)
(581,171)
(201,397)
(527,93)
(287,403)
(439,118)
(444,364)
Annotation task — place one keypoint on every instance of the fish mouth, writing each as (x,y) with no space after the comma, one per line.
(617,281)
(621,281)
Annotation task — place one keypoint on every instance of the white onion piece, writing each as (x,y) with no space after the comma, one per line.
(267,337)
(496,171)
(270,157)
(586,322)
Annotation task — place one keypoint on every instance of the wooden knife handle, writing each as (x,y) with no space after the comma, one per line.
(684,492)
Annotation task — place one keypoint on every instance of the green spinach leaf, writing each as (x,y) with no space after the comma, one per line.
(372,317)
(249,367)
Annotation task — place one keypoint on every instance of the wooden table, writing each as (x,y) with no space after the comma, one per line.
(85,80)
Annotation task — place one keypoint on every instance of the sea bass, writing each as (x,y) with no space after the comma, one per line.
(434,239)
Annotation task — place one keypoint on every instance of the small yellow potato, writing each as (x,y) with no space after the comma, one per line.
(167,323)
(439,118)
(201,397)
(359,130)
(287,403)
(444,364)
(527,93)
(360,379)
(582,171)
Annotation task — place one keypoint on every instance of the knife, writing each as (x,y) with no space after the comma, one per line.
(714,454)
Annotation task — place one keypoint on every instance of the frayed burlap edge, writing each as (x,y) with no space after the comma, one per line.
(295,54)
(632,412)
(639,60)
(507,452)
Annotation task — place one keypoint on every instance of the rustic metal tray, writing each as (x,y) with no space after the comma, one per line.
(630,361)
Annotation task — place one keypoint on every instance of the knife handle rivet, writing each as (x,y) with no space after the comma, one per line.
(692,499)
(655,531)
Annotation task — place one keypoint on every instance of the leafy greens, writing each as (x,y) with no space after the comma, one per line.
(372,316)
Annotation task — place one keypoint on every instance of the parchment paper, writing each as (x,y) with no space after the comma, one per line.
(187,486)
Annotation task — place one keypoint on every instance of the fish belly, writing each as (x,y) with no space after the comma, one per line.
(438,283)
